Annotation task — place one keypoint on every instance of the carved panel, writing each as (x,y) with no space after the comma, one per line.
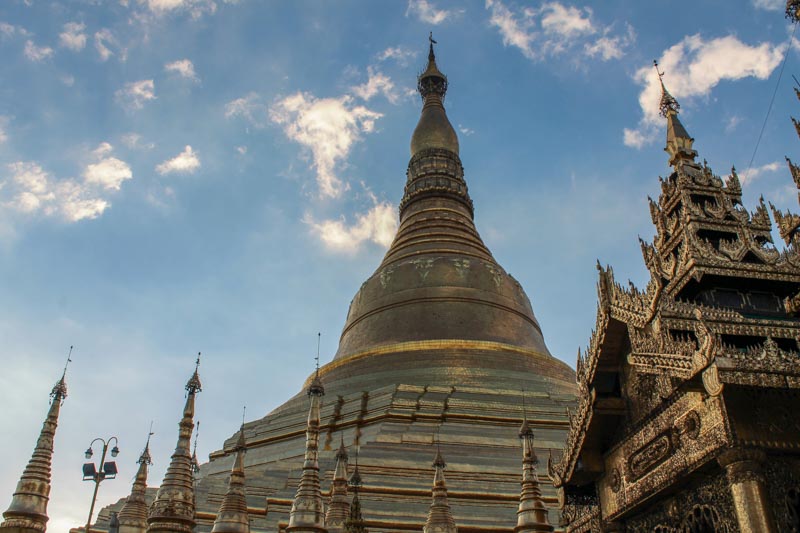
(692,510)
(783,488)
(765,417)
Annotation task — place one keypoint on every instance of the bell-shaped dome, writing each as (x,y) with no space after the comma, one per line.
(439,308)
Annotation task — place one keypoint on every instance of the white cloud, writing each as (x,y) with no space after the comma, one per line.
(8,31)
(770,5)
(73,37)
(134,142)
(183,68)
(328,127)
(377,225)
(693,68)
(376,83)
(465,130)
(195,8)
(68,80)
(185,162)
(136,93)
(108,172)
(102,40)
(32,190)
(248,107)
(554,29)
(608,48)
(242,150)
(566,21)
(398,53)
(427,12)
(37,53)
(3,131)
(732,123)
(636,138)
(757,172)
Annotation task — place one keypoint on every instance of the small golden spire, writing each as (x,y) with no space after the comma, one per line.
(28,510)
(133,515)
(174,506)
(355,520)
(440,517)
(532,512)
(339,506)
(308,514)
(232,516)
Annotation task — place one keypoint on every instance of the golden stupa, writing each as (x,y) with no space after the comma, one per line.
(438,347)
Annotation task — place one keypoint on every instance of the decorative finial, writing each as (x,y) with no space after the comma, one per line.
(194,385)
(355,478)
(59,391)
(525,430)
(145,457)
(316,360)
(316,387)
(668,102)
(244,412)
(431,55)
(195,462)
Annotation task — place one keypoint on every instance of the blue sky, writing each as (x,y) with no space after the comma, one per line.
(221,176)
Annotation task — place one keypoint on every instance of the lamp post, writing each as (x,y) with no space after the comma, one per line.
(106,470)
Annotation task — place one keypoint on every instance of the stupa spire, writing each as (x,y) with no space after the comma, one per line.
(308,513)
(679,142)
(532,513)
(440,518)
(133,515)
(232,516)
(28,510)
(339,506)
(173,509)
(355,521)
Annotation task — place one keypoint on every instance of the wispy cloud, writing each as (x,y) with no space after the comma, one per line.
(769,5)
(327,127)
(186,162)
(103,39)
(428,13)
(757,172)
(249,107)
(136,93)
(37,53)
(183,68)
(554,29)
(108,172)
(134,141)
(693,67)
(31,190)
(196,8)
(397,53)
(3,129)
(378,225)
(73,36)
(376,83)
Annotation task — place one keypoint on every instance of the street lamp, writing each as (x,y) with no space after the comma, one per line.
(106,470)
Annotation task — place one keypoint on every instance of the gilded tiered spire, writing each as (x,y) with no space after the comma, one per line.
(679,142)
(339,507)
(173,509)
(440,518)
(435,168)
(232,516)
(532,513)
(355,521)
(28,510)
(133,515)
(308,513)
